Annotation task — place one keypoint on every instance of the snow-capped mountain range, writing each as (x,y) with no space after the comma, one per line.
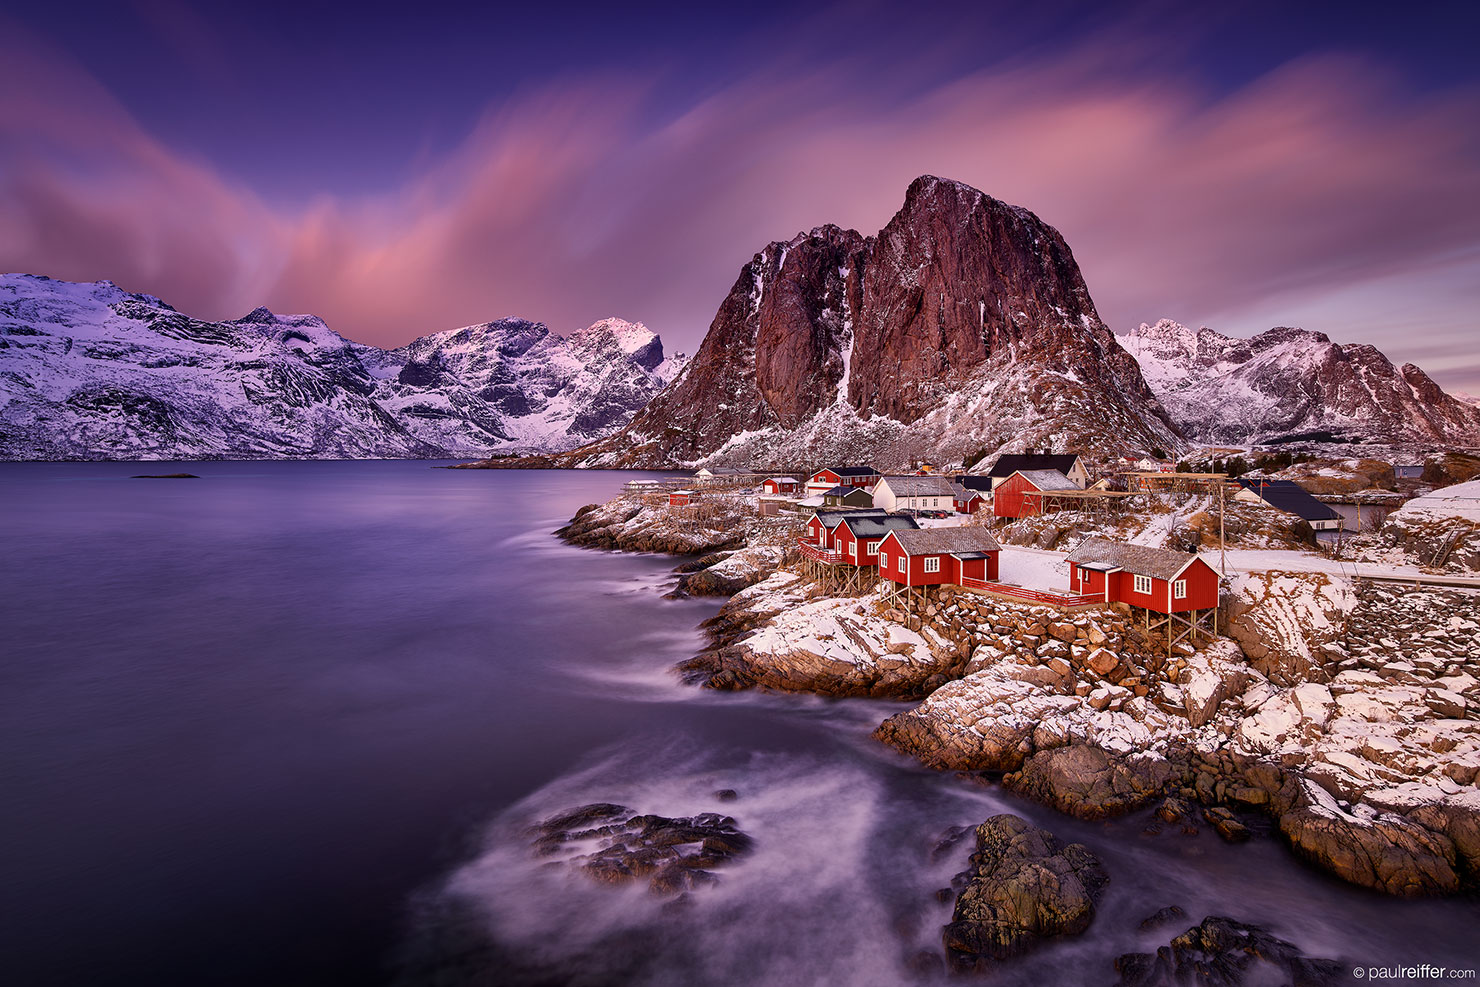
(90,371)
(1296,386)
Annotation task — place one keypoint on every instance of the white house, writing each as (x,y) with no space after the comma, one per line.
(915,493)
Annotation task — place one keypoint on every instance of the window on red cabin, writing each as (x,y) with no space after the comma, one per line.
(1143,584)
(932,564)
(1179,589)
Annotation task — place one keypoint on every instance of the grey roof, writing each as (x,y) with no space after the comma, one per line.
(783,479)
(919,486)
(1049,480)
(831,519)
(1290,497)
(947,541)
(874,526)
(1138,559)
(1011,463)
(838,491)
(853,470)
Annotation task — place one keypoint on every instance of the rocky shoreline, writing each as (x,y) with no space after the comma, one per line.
(1335,713)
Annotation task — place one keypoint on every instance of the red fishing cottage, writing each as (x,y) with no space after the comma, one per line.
(939,556)
(1020,495)
(844,476)
(1155,580)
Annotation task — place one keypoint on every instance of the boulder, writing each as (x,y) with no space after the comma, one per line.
(1384,851)
(1024,885)
(1221,952)
(612,844)
(1089,783)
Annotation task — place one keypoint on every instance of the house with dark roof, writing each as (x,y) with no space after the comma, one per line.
(1290,497)
(846,476)
(967,501)
(939,556)
(844,496)
(859,534)
(1153,578)
(1069,464)
(822,527)
(1020,495)
(914,493)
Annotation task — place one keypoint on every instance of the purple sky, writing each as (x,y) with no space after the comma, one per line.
(400,170)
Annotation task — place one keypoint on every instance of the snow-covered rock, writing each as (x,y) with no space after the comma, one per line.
(1292,385)
(90,371)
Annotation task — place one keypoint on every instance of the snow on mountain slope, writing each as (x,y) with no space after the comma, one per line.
(90,371)
(1292,385)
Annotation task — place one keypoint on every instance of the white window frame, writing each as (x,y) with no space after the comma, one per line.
(883,560)
(1142,585)
(932,563)
(873,548)
(1179,589)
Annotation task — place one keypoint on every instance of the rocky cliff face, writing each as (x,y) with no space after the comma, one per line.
(89,371)
(1292,385)
(964,324)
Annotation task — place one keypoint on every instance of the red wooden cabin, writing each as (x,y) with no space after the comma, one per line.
(844,476)
(859,535)
(683,498)
(1154,578)
(968,501)
(822,527)
(938,556)
(781,485)
(1014,496)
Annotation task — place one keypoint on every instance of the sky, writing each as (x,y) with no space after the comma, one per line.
(399,169)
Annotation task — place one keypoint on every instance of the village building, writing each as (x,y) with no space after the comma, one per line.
(1021,494)
(1290,497)
(642,486)
(711,475)
(914,493)
(842,496)
(962,556)
(822,527)
(1177,585)
(966,500)
(857,538)
(781,485)
(845,476)
(683,498)
(1069,464)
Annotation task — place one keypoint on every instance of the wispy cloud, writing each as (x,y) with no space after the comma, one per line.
(575,201)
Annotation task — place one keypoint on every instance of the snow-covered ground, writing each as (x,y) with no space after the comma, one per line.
(1034,569)
(1461,500)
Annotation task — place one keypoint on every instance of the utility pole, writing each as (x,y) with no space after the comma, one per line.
(1222,541)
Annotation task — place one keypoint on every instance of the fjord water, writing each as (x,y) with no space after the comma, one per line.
(285,724)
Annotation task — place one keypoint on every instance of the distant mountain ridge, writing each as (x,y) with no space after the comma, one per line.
(963,325)
(90,371)
(1296,386)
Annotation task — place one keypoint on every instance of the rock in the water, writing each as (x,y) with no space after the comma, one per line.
(610,843)
(1221,952)
(1163,916)
(1089,783)
(1384,851)
(1024,885)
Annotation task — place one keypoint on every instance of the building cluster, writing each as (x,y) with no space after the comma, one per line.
(865,527)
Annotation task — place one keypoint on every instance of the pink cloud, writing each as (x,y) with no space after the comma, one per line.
(568,204)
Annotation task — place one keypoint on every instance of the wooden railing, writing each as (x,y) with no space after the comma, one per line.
(817,554)
(1033,595)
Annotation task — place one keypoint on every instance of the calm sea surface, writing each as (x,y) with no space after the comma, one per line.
(285,725)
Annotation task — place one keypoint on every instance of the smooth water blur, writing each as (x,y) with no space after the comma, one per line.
(285,725)
(243,717)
